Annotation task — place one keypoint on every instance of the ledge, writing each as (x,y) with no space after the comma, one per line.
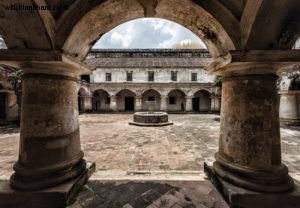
(56,197)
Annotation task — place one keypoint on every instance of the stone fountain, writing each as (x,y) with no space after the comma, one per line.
(150,118)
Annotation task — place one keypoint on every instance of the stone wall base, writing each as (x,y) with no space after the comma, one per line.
(56,197)
(238,197)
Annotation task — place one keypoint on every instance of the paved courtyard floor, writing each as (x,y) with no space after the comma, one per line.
(148,166)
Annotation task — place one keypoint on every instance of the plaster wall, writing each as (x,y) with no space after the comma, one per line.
(161,75)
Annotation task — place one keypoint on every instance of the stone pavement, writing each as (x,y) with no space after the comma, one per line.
(149,166)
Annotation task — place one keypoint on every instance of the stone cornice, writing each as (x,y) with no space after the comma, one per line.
(254,62)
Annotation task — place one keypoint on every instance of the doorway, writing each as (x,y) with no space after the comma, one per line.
(129,103)
(3,105)
(196,102)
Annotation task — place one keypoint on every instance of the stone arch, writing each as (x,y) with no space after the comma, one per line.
(82,92)
(100,100)
(151,95)
(201,101)
(125,100)
(176,100)
(102,18)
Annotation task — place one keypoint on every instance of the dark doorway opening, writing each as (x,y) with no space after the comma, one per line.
(129,103)
(3,105)
(96,105)
(196,102)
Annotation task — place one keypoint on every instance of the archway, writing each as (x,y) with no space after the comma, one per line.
(201,101)
(237,31)
(125,100)
(176,101)
(101,101)
(150,95)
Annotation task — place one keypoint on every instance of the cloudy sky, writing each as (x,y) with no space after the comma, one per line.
(145,33)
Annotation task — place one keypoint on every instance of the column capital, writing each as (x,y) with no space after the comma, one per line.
(254,62)
(68,66)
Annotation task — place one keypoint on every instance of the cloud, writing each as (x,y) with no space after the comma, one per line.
(145,33)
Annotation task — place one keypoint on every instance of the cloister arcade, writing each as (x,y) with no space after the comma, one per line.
(249,41)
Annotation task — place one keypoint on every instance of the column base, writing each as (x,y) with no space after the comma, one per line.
(277,181)
(55,197)
(44,180)
(241,197)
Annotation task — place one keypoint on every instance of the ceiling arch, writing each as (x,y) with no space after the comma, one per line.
(111,13)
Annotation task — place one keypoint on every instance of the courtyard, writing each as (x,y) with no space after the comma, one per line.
(150,162)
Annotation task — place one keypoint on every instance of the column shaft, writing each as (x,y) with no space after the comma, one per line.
(288,110)
(138,103)
(49,152)
(164,103)
(113,103)
(249,145)
(189,103)
(87,103)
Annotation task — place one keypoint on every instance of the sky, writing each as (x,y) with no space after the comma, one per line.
(145,33)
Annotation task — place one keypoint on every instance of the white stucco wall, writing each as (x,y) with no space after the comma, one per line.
(161,75)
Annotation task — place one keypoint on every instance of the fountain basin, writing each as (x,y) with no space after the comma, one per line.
(150,119)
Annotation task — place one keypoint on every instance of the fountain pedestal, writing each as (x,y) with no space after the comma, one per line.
(150,118)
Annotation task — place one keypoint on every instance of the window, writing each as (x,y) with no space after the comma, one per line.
(150,76)
(172,100)
(194,77)
(151,98)
(108,77)
(129,76)
(174,75)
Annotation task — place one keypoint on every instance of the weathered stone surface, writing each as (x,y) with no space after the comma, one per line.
(50,151)
(249,150)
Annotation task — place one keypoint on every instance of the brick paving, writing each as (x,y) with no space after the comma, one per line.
(136,157)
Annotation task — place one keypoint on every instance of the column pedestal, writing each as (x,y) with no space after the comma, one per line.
(49,151)
(249,153)
(289,112)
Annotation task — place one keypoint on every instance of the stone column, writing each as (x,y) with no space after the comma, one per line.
(113,103)
(164,103)
(138,103)
(215,104)
(87,103)
(189,103)
(49,150)
(249,145)
(288,110)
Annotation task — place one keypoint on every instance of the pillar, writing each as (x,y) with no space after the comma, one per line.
(138,103)
(288,110)
(164,103)
(113,103)
(189,103)
(49,148)
(215,104)
(87,103)
(249,152)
